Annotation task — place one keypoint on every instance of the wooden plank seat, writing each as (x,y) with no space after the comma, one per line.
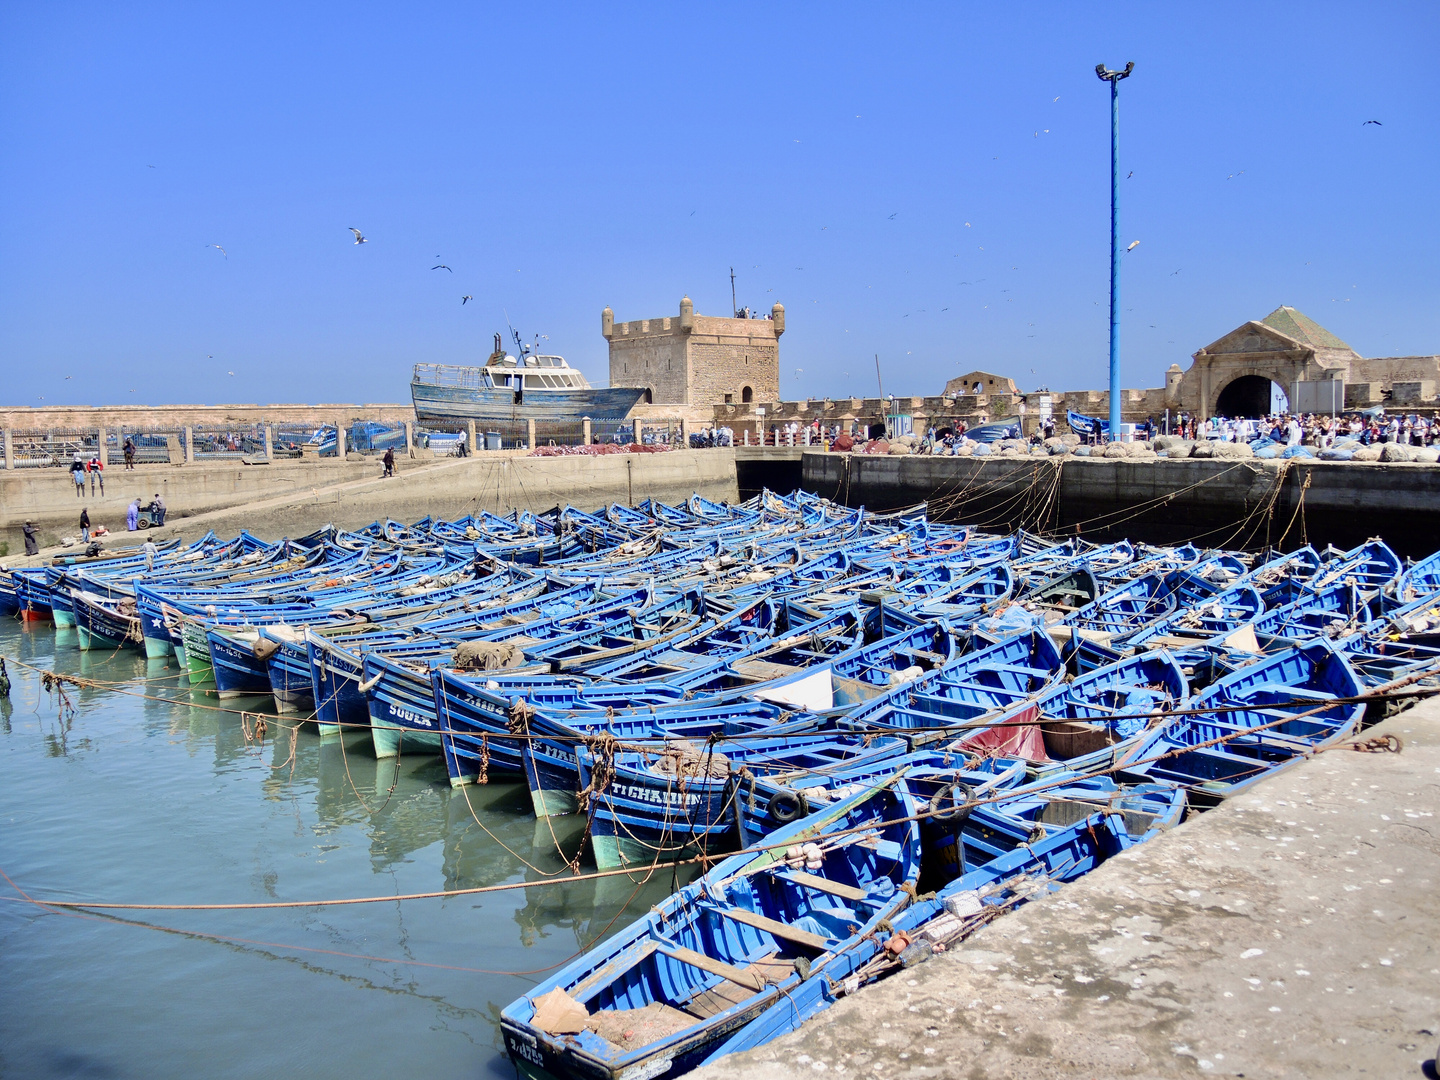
(818,883)
(774,927)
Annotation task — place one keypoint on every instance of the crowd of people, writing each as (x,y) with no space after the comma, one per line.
(1281,429)
(1312,429)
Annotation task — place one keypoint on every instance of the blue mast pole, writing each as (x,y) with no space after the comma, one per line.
(1113,78)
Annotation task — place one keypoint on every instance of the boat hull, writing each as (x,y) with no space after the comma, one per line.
(238,672)
(335,686)
(197,657)
(451,403)
(402,710)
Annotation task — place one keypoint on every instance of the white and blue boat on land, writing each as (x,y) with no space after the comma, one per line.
(509,387)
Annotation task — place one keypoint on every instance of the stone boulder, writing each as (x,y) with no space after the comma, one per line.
(1233,450)
(1116,450)
(899,449)
(1144,453)
(1070,439)
(1203,450)
(1058,450)
(1428,454)
(1366,453)
(1396,452)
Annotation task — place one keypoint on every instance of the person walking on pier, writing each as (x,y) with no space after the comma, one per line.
(150,551)
(132,516)
(389,462)
(461,450)
(32,547)
(129,453)
(77,473)
(85,525)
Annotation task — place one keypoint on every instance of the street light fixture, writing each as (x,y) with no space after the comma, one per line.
(1113,78)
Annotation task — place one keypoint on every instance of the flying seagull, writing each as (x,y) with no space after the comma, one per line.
(359,236)
(229,373)
(1375,122)
(442,266)
(892,216)
(1133,245)
(465,299)
(220,249)
(1132,173)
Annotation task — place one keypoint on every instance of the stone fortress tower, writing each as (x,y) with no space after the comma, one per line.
(693,359)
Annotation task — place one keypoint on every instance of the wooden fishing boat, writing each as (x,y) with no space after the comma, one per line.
(1081,721)
(652,806)
(660,997)
(1255,721)
(1126,609)
(106,622)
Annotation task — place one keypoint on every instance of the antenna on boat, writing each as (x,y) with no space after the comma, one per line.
(520,350)
(734,304)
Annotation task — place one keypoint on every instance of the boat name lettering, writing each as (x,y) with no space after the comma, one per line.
(647,794)
(410,717)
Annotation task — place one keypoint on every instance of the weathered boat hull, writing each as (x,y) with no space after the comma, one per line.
(439,404)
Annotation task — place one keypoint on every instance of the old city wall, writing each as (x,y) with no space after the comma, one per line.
(150,417)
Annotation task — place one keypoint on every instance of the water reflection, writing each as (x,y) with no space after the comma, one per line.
(217,808)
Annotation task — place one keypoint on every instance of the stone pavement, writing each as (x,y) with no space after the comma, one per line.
(1293,932)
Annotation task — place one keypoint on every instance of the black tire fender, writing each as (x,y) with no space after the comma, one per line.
(786,806)
(951,804)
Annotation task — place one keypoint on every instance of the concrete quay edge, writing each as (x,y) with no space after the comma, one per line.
(1292,932)
(294,498)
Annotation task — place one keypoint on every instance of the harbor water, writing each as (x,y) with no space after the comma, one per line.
(145,792)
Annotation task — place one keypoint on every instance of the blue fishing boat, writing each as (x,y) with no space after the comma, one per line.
(1253,722)
(760,928)
(1372,566)
(105,622)
(648,807)
(1126,609)
(1082,721)
(969,692)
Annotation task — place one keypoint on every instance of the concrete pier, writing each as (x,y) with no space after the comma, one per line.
(294,497)
(1219,502)
(1289,933)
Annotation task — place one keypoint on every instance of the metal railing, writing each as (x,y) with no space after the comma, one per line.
(152,446)
(51,448)
(222,443)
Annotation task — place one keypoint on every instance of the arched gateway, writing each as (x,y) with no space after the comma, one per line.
(1232,376)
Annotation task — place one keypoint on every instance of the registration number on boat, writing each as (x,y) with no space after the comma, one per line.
(524,1047)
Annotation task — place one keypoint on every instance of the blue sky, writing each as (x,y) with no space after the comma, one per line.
(929,182)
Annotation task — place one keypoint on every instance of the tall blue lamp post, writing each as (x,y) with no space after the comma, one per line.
(1113,78)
